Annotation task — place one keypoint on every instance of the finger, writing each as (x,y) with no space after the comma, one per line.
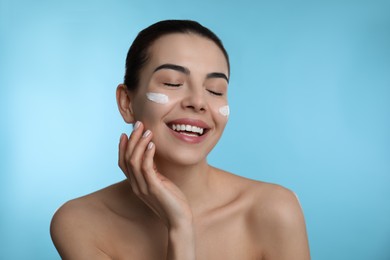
(121,153)
(129,147)
(148,167)
(123,141)
(134,138)
(136,161)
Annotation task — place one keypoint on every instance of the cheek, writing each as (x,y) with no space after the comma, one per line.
(158,98)
(224,111)
(151,106)
(220,111)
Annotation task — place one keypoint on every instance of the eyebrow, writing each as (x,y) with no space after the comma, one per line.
(173,67)
(217,75)
(187,71)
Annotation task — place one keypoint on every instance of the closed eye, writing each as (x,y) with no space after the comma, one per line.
(172,84)
(215,93)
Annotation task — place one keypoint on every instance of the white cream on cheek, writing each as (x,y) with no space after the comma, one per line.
(157,97)
(163,99)
(225,111)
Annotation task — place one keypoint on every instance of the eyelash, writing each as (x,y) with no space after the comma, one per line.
(172,85)
(215,93)
(178,85)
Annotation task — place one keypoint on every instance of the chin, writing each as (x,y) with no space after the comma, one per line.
(181,157)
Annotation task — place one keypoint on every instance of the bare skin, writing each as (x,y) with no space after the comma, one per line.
(248,220)
(173,204)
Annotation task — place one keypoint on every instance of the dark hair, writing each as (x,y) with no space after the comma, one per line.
(137,55)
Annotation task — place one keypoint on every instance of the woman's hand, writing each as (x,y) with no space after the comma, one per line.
(154,189)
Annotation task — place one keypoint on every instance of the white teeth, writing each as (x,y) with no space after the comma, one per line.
(188,128)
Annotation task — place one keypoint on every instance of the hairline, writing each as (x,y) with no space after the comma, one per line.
(148,52)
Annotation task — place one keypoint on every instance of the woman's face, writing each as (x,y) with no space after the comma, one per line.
(183,85)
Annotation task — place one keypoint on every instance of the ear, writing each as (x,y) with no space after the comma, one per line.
(123,100)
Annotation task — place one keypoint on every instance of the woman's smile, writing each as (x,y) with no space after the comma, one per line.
(191,131)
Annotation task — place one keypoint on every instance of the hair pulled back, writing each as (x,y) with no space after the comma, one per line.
(138,55)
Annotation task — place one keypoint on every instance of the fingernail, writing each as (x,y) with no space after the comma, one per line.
(136,125)
(120,138)
(146,134)
(150,145)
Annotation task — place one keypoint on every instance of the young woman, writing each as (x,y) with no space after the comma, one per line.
(173,204)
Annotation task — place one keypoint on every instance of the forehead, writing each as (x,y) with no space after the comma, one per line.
(189,50)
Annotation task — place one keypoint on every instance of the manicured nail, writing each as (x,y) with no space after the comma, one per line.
(146,134)
(150,145)
(136,125)
(120,138)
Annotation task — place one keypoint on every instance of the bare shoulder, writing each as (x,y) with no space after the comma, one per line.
(264,200)
(75,226)
(278,222)
(275,203)
(274,218)
(262,194)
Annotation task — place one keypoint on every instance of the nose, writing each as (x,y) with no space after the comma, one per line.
(195,99)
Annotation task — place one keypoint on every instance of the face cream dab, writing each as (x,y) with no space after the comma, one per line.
(157,97)
(225,111)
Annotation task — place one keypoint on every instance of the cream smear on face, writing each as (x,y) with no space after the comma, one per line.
(225,111)
(157,97)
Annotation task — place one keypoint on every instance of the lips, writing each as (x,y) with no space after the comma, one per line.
(189,130)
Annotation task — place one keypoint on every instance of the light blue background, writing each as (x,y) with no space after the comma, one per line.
(309,95)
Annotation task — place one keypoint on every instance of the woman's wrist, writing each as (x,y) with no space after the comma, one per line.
(181,241)
(183,222)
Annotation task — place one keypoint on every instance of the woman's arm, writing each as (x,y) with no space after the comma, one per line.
(181,242)
(156,191)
